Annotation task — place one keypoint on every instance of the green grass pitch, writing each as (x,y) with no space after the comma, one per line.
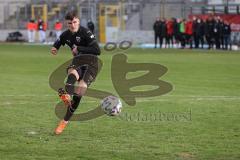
(198,119)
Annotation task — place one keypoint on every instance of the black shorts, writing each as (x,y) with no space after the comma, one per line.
(87,67)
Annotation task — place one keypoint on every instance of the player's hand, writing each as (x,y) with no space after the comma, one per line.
(54,50)
(75,51)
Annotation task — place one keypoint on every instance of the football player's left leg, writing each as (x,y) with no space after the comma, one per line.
(65,96)
(80,90)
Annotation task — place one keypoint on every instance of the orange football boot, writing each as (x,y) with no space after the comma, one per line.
(64,96)
(62,124)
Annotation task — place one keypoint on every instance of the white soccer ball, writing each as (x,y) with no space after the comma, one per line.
(111,105)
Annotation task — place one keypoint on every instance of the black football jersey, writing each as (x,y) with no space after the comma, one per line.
(84,40)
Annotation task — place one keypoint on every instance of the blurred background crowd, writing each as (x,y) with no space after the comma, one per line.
(196,23)
(194,32)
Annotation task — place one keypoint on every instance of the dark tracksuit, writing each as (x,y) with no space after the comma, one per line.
(199,33)
(209,25)
(90,26)
(176,31)
(163,32)
(157,28)
(227,36)
(216,34)
(221,27)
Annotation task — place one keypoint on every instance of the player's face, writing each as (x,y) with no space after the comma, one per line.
(73,25)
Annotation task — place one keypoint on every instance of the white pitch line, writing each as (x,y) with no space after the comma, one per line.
(163,96)
(28,95)
(189,98)
(24,103)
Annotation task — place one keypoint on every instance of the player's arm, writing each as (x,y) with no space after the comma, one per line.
(57,44)
(54,50)
(92,48)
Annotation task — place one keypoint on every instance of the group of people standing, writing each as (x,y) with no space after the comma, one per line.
(40,27)
(193,32)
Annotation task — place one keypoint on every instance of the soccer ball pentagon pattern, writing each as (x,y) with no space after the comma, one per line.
(111,105)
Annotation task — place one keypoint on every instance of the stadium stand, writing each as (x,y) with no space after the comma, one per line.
(114,20)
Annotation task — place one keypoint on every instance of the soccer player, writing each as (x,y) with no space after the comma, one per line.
(85,50)
(227,35)
(169,37)
(209,31)
(157,28)
(189,32)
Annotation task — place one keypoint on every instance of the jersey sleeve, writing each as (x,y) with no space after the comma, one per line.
(89,37)
(92,44)
(60,41)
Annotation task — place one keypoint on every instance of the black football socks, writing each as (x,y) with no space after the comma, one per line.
(71,109)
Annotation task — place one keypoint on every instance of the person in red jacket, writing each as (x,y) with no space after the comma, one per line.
(31,28)
(169,33)
(58,28)
(189,32)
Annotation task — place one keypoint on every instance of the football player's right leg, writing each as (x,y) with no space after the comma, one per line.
(73,76)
